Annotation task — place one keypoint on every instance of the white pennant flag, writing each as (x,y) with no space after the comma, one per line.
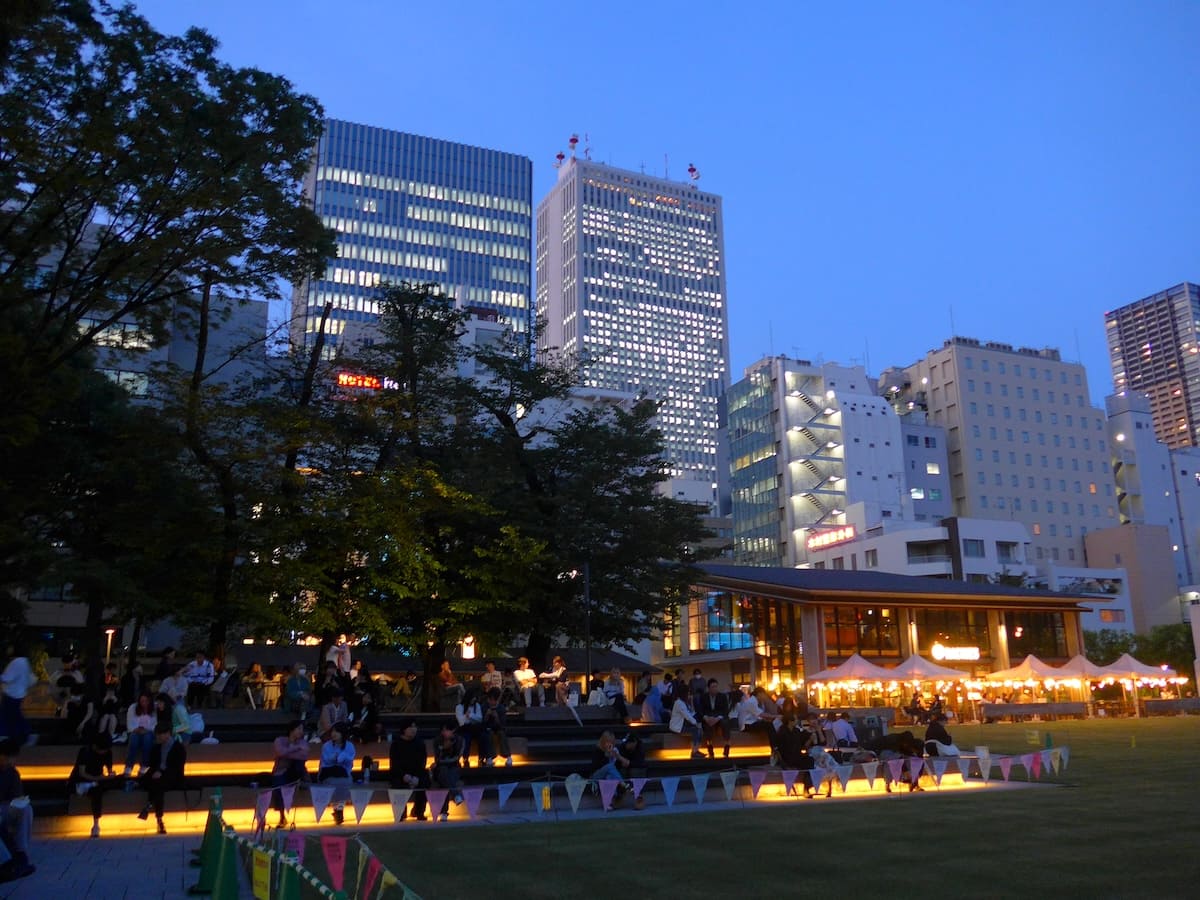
(843,775)
(700,786)
(869,770)
(360,798)
(542,798)
(1064,754)
(817,775)
(575,785)
(729,782)
(399,799)
(1056,759)
(939,764)
(321,795)
(261,804)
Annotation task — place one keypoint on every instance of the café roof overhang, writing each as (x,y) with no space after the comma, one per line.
(842,587)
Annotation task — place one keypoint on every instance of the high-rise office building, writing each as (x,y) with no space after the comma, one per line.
(1154,346)
(631,273)
(1024,441)
(416,209)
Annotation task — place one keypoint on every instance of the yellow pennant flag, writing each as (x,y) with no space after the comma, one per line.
(261,878)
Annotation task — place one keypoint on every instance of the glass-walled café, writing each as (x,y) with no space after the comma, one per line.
(772,626)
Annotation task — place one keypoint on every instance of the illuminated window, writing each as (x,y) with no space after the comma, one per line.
(932,468)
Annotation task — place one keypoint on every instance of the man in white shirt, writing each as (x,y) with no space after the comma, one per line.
(17,679)
(199,674)
(527,681)
(491,678)
(843,731)
(175,686)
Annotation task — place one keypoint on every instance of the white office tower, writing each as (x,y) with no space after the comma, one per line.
(631,274)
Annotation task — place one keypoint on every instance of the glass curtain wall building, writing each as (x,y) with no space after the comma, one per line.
(417,209)
(631,273)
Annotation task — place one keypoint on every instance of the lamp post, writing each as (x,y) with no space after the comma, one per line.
(108,633)
(587,614)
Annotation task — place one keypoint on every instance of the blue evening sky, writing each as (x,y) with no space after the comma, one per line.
(892,173)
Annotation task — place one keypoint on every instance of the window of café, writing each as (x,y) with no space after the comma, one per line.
(870,631)
(1044,634)
(951,628)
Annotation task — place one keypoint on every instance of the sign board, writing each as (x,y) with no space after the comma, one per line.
(955,654)
(829,538)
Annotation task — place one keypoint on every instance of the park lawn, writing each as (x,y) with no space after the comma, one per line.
(1123,823)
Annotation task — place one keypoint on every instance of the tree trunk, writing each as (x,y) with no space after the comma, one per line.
(431,686)
(538,650)
(134,639)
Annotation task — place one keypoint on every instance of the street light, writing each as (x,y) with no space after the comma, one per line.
(587,615)
(108,632)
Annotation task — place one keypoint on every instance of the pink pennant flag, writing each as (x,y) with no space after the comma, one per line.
(1027,762)
(670,786)
(1005,766)
(295,844)
(505,791)
(288,792)
(789,781)
(869,771)
(472,796)
(608,788)
(436,798)
(374,868)
(260,805)
(757,777)
(639,785)
(1037,765)
(334,849)
(895,767)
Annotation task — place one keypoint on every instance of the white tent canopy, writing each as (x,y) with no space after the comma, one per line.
(1080,666)
(853,669)
(1029,669)
(917,668)
(1129,668)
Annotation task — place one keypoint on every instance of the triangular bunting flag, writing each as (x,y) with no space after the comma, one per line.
(1005,766)
(1056,759)
(700,786)
(288,792)
(608,788)
(541,796)
(1027,763)
(374,868)
(869,770)
(789,781)
(260,805)
(843,774)
(670,786)
(757,777)
(321,796)
(817,776)
(729,782)
(939,764)
(915,766)
(294,843)
(334,849)
(575,788)
(639,784)
(1037,764)
(399,799)
(362,855)
(436,799)
(472,796)
(505,791)
(360,799)
(1065,754)
(895,767)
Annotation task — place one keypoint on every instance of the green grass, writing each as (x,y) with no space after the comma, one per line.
(1123,824)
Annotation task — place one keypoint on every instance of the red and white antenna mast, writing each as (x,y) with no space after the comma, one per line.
(572,142)
(694,175)
(558,159)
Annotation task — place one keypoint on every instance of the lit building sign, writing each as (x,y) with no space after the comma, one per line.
(829,538)
(365,382)
(960,654)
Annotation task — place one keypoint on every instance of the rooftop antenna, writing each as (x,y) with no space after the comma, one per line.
(866,356)
(558,159)
(643,166)
(666,168)
(953,333)
(572,141)
(694,174)
(587,148)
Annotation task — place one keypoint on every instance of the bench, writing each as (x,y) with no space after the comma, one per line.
(1046,711)
(1172,707)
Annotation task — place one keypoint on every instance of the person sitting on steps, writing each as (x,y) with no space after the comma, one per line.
(168,757)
